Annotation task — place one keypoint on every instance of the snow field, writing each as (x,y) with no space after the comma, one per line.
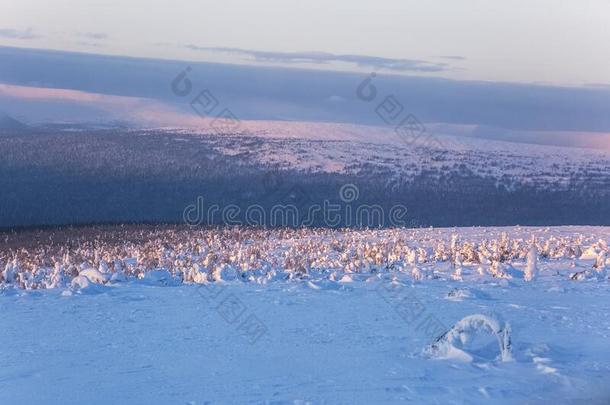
(303,325)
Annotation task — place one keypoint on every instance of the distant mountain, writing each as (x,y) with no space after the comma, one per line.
(8,122)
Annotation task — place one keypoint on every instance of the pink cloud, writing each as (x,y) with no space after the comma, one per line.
(140,110)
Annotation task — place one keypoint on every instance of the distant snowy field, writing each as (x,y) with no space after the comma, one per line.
(342,148)
(174,315)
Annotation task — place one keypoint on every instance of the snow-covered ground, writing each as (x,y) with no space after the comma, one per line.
(345,148)
(177,315)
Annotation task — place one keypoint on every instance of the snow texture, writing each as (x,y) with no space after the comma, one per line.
(235,315)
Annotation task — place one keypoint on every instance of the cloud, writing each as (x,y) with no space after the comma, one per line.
(377,62)
(68,105)
(18,34)
(452,57)
(90,44)
(80,106)
(93,35)
(264,92)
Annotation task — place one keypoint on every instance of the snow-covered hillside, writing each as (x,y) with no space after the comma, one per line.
(347,148)
(164,314)
(152,175)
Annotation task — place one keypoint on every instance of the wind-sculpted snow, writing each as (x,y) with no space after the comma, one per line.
(460,333)
(170,255)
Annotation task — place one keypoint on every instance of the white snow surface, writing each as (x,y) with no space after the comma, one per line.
(329,333)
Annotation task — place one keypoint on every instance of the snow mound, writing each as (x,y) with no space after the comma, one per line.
(94,275)
(326,285)
(160,277)
(452,344)
(83,285)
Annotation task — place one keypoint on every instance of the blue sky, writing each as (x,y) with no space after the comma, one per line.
(543,41)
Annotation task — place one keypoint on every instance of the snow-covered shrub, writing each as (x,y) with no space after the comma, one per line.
(600,264)
(159,277)
(457,266)
(199,255)
(95,276)
(416,273)
(195,274)
(531,268)
(452,344)
(10,271)
(498,270)
(80,282)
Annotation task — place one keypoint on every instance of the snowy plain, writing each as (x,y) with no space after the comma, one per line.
(330,334)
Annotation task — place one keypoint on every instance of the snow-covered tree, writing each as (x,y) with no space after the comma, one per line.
(531,268)
(457,266)
(600,264)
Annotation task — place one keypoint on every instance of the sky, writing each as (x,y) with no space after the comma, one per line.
(523,71)
(544,41)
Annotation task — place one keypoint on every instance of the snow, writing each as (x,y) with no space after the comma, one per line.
(160,277)
(334,334)
(531,269)
(95,276)
(347,148)
(446,346)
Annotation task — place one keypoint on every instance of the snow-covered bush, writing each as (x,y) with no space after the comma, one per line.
(108,255)
(600,264)
(452,344)
(531,268)
(457,266)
